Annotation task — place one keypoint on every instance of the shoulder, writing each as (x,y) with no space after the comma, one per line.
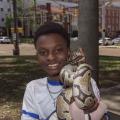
(36,84)
(35,89)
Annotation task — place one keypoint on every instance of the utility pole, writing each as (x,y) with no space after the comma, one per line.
(35,15)
(103,23)
(49,13)
(105,4)
(15,34)
(65,19)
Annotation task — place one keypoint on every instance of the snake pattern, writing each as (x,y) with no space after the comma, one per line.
(76,76)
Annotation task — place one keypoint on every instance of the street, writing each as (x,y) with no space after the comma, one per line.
(28,49)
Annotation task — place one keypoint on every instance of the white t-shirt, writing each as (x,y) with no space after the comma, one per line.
(39,104)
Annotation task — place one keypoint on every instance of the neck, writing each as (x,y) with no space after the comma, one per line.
(56,78)
(53,78)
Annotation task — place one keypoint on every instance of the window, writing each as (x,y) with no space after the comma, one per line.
(38,20)
(9,9)
(2,19)
(1,9)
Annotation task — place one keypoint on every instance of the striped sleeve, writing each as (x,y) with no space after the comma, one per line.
(29,111)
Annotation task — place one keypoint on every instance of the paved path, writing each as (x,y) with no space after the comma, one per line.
(109,50)
(25,49)
(28,49)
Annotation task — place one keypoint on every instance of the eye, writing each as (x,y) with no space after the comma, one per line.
(59,50)
(42,52)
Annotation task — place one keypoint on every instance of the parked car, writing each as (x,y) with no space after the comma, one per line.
(108,41)
(74,38)
(116,40)
(5,39)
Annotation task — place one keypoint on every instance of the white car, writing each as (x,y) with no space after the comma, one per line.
(116,40)
(5,39)
(74,39)
(107,41)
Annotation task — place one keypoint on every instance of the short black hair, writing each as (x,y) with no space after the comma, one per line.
(52,27)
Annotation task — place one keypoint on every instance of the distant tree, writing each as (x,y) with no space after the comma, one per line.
(20,12)
(88,32)
(8,21)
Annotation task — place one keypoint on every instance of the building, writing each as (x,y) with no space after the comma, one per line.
(59,11)
(109,17)
(112,23)
(5,11)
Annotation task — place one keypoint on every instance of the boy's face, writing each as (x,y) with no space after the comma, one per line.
(52,53)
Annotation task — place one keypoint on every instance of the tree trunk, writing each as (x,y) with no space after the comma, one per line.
(88,32)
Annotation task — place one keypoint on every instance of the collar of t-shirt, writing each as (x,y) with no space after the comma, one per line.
(55,87)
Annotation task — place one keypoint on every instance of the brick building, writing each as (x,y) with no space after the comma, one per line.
(64,12)
(112,23)
(109,17)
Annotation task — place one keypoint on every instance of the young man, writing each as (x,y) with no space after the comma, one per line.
(52,44)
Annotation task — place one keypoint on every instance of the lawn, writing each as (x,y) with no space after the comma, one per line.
(16,72)
(109,70)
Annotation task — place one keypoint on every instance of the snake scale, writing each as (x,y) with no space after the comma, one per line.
(76,77)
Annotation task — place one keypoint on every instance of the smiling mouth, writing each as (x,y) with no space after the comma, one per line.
(53,66)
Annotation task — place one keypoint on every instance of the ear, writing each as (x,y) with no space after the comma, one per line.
(37,56)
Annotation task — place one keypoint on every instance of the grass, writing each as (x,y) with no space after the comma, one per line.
(16,72)
(109,71)
(26,40)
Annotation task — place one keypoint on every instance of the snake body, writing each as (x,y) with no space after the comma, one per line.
(76,78)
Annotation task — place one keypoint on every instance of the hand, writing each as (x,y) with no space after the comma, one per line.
(76,113)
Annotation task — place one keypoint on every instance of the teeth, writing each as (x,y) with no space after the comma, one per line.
(53,65)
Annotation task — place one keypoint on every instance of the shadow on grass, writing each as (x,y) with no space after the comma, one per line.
(15,73)
(109,69)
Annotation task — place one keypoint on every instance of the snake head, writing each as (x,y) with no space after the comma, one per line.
(77,57)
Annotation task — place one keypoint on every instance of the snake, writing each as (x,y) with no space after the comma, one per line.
(75,76)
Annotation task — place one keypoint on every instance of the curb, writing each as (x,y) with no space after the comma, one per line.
(109,46)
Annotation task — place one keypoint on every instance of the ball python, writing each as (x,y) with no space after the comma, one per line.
(76,77)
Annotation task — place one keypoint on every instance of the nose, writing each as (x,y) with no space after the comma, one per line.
(51,57)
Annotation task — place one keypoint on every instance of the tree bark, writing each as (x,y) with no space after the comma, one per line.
(88,32)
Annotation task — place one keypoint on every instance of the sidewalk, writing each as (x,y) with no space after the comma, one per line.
(111,97)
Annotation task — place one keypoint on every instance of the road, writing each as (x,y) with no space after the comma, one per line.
(25,49)
(28,49)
